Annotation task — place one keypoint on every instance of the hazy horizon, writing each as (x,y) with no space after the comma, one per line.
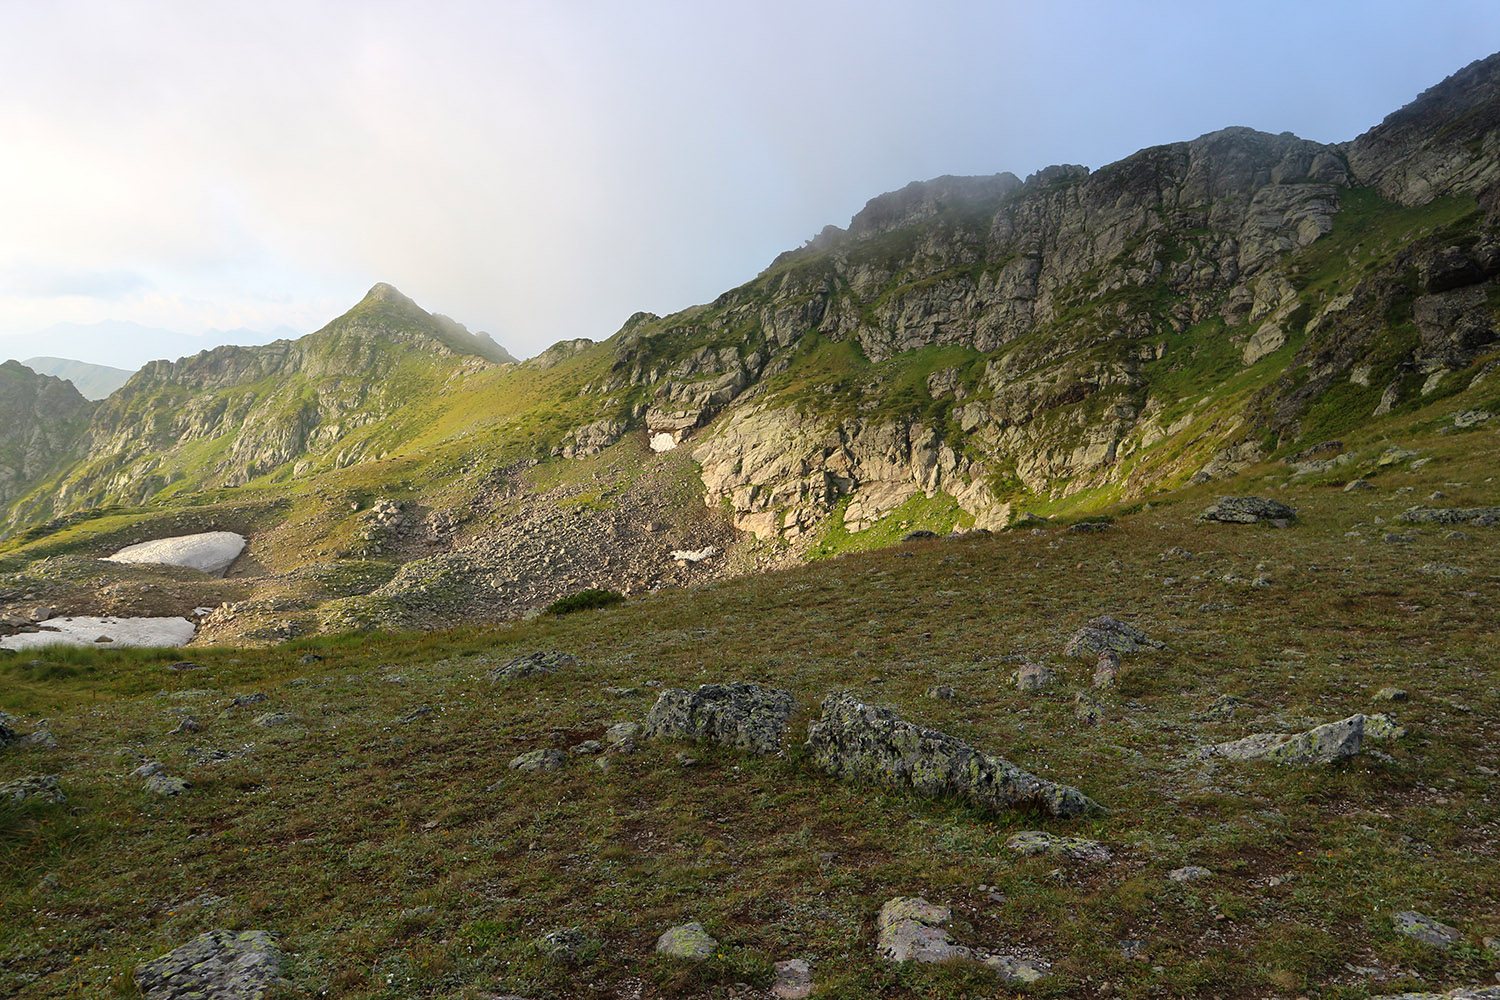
(541,172)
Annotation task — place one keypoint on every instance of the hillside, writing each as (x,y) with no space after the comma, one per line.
(967,351)
(43,417)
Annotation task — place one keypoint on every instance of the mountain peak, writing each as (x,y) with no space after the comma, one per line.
(383,292)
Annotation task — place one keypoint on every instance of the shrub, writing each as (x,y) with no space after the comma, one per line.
(584,600)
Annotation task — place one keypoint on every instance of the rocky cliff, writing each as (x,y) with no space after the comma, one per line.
(43,419)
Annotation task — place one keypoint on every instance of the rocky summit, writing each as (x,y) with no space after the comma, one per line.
(1081,585)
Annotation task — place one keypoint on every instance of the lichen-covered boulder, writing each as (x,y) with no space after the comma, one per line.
(1323,744)
(688,941)
(912,930)
(34,786)
(166,784)
(872,743)
(546,759)
(747,716)
(1034,842)
(539,662)
(1106,633)
(1420,927)
(1484,517)
(219,965)
(1249,510)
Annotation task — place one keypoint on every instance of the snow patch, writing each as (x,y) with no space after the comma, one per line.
(663,442)
(693,555)
(86,631)
(211,551)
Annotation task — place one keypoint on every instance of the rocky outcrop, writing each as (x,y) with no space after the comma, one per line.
(870,743)
(1248,510)
(1323,744)
(42,421)
(1481,516)
(219,965)
(1105,634)
(743,715)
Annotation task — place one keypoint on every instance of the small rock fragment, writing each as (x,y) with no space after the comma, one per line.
(689,941)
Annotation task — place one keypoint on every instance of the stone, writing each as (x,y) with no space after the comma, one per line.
(42,739)
(1323,744)
(1034,842)
(1220,709)
(415,715)
(532,664)
(910,929)
(568,945)
(1391,694)
(868,743)
(1471,418)
(35,786)
(918,536)
(1409,923)
(1248,510)
(589,747)
(1188,873)
(689,941)
(622,735)
(546,759)
(1442,569)
(1484,517)
(942,692)
(1394,456)
(1106,669)
(1088,527)
(149,768)
(253,698)
(1103,633)
(1356,485)
(181,666)
(1033,677)
(273,720)
(1382,727)
(794,980)
(165,784)
(1478,993)
(1087,709)
(218,965)
(743,715)
(187,725)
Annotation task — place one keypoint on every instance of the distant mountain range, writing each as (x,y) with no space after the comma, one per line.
(93,381)
(128,346)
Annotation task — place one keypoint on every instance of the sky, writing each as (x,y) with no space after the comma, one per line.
(541,171)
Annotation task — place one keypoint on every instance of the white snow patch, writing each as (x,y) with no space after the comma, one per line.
(211,552)
(663,442)
(85,631)
(693,555)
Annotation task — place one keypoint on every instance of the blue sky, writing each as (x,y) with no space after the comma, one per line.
(543,170)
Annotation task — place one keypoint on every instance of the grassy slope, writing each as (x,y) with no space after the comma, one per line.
(335,833)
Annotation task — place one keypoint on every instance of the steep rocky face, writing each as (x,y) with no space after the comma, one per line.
(44,418)
(229,415)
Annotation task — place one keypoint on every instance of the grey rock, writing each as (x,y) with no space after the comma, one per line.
(1103,633)
(568,945)
(1391,694)
(910,929)
(1220,709)
(1087,709)
(1395,456)
(219,965)
(1471,418)
(941,692)
(547,759)
(1188,873)
(532,664)
(183,665)
(689,941)
(1356,485)
(1484,517)
(1034,842)
(743,715)
(273,720)
(870,743)
(1477,993)
(165,784)
(1033,677)
(42,739)
(622,734)
(415,715)
(1442,569)
(589,747)
(1323,744)
(1248,510)
(1106,669)
(794,980)
(253,698)
(1382,727)
(187,725)
(35,786)
(1418,927)
(917,536)
(149,768)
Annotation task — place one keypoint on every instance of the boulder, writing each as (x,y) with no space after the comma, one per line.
(547,759)
(1485,517)
(794,980)
(689,941)
(1106,669)
(1320,745)
(743,715)
(1428,931)
(1248,510)
(1033,677)
(1103,633)
(273,720)
(219,965)
(166,784)
(910,929)
(1034,842)
(539,662)
(860,742)
(34,786)
(1188,873)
